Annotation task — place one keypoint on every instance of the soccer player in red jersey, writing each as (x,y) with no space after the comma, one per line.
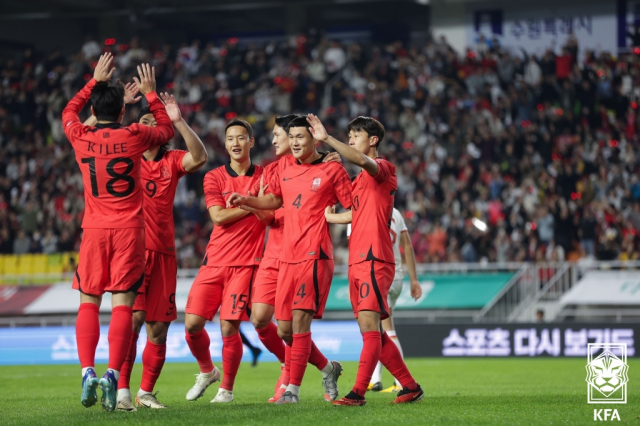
(155,306)
(234,252)
(263,296)
(371,258)
(112,249)
(304,189)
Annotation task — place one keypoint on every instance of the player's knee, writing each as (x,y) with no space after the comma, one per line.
(286,335)
(229,328)
(260,323)
(193,325)
(138,321)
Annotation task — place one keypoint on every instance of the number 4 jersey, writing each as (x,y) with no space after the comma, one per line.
(110,156)
(160,178)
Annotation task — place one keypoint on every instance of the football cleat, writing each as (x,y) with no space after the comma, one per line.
(223,396)
(375,387)
(330,382)
(352,399)
(109,387)
(89,395)
(149,400)
(125,404)
(280,379)
(203,381)
(277,395)
(255,354)
(288,398)
(407,395)
(392,389)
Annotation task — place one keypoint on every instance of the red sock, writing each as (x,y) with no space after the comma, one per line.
(153,358)
(287,363)
(199,344)
(317,358)
(231,357)
(127,366)
(391,358)
(120,331)
(372,345)
(87,333)
(299,357)
(270,339)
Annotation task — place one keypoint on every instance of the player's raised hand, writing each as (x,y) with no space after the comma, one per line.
(147,82)
(130,92)
(171,106)
(104,71)
(235,200)
(332,157)
(263,187)
(317,129)
(416,290)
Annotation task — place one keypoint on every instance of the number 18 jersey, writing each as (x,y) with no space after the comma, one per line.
(159,181)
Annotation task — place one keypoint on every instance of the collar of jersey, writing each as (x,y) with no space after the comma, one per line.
(158,156)
(232,173)
(108,126)
(318,161)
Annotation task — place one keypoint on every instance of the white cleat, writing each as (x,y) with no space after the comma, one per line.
(149,400)
(125,404)
(203,381)
(223,396)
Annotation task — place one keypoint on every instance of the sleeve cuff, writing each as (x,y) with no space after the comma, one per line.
(151,97)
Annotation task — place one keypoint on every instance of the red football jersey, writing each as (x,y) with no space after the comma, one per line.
(109,157)
(306,191)
(276,230)
(240,243)
(159,180)
(371,214)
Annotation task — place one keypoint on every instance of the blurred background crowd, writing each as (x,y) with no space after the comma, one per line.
(501,156)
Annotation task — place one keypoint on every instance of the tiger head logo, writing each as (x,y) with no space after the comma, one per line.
(607,373)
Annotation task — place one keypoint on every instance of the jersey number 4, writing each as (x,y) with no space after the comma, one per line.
(117,176)
(298,201)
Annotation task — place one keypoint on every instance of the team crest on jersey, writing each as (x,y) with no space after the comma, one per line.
(164,171)
(315,185)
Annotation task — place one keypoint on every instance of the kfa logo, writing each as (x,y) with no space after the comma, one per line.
(607,373)
(315,185)
(604,415)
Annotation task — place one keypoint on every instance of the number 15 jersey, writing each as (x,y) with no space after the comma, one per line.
(109,157)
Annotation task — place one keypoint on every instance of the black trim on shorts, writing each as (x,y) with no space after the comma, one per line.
(78,278)
(205,260)
(376,289)
(253,275)
(315,284)
(323,255)
(137,284)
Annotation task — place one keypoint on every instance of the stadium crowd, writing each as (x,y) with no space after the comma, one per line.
(501,156)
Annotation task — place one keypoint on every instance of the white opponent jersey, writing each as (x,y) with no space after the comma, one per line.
(397,227)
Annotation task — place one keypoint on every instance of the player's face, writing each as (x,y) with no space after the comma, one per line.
(360,140)
(301,142)
(238,143)
(148,120)
(280,141)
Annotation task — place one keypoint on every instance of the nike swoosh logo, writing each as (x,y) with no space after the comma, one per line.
(295,303)
(225,193)
(286,179)
(235,312)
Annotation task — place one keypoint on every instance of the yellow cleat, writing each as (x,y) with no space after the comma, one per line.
(393,389)
(375,387)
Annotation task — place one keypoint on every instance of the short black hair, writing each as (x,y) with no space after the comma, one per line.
(241,123)
(299,121)
(284,120)
(370,125)
(144,111)
(108,100)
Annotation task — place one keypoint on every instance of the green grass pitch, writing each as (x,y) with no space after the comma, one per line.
(457,392)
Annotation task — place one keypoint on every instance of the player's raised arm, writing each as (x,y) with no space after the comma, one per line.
(265,216)
(163,131)
(197,155)
(130,92)
(352,155)
(332,217)
(70,120)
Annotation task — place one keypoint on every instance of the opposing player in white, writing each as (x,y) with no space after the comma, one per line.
(399,237)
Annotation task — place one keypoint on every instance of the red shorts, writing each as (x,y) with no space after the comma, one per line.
(266,281)
(157,296)
(303,286)
(369,284)
(111,260)
(227,288)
